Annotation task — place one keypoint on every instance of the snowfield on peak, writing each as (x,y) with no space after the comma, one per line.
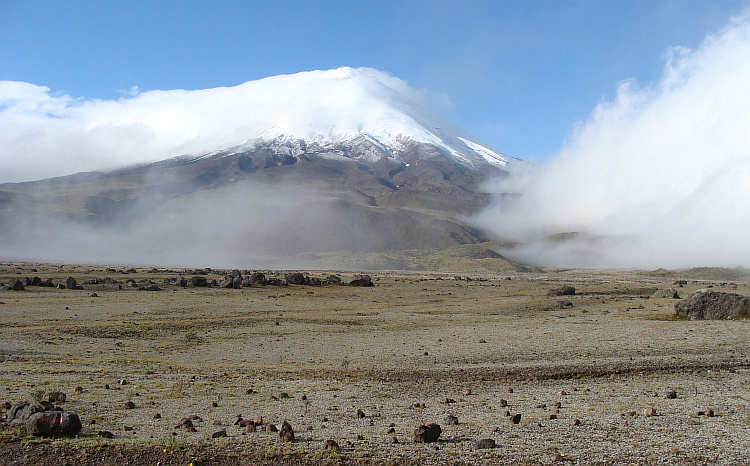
(344,104)
(48,134)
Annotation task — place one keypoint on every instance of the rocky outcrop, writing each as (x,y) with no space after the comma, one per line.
(713,305)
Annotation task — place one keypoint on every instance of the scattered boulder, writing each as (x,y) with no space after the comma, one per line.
(105,434)
(565,290)
(516,418)
(671,395)
(21,412)
(295,278)
(360,280)
(451,420)
(333,280)
(286,433)
(427,433)
(564,304)
(198,281)
(670,293)
(227,282)
(180,281)
(649,412)
(53,424)
(219,434)
(257,278)
(71,284)
(485,443)
(16,285)
(151,287)
(705,304)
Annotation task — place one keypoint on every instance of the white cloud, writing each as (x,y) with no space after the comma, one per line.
(665,166)
(43,134)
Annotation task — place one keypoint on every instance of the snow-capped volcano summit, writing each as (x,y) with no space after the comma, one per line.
(346,104)
(45,134)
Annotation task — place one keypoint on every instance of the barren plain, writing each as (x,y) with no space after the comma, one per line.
(364,366)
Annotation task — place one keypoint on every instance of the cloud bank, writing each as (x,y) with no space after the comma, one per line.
(657,177)
(43,134)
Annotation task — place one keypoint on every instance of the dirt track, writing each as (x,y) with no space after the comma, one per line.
(316,355)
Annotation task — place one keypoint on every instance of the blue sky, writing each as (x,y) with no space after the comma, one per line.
(519,74)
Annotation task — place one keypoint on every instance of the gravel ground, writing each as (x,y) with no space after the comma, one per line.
(411,350)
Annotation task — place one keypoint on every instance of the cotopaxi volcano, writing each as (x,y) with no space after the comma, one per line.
(340,160)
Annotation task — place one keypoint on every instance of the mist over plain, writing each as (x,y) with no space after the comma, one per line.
(656,177)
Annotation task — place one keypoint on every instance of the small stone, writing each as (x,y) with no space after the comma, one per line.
(710,413)
(563,393)
(671,395)
(360,414)
(219,434)
(503,403)
(510,390)
(577,422)
(271,428)
(157,416)
(449,401)
(258,420)
(451,420)
(557,457)
(516,418)
(331,444)
(557,405)
(648,412)
(485,443)
(78,390)
(105,434)
(217,422)
(129,405)
(127,428)
(553,416)
(57,397)
(391,430)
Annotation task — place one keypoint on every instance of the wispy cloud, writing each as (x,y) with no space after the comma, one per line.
(662,170)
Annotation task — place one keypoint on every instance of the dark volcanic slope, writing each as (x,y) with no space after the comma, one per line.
(319,199)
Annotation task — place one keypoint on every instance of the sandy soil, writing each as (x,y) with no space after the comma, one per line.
(411,350)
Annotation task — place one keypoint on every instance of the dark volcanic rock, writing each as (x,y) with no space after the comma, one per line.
(713,305)
(227,282)
(286,433)
(16,285)
(360,280)
(485,443)
(71,284)
(565,290)
(53,424)
(295,278)
(20,412)
(257,278)
(198,281)
(427,433)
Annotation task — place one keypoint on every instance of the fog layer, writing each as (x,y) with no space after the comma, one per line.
(657,177)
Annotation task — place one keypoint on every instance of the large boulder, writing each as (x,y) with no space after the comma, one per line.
(427,433)
(198,281)
(257,278)
(705,304)
(294,278)
(53,424)
(360,280)
(20,412)
(227,282)
(16,285)
(670,293)
(565,290)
